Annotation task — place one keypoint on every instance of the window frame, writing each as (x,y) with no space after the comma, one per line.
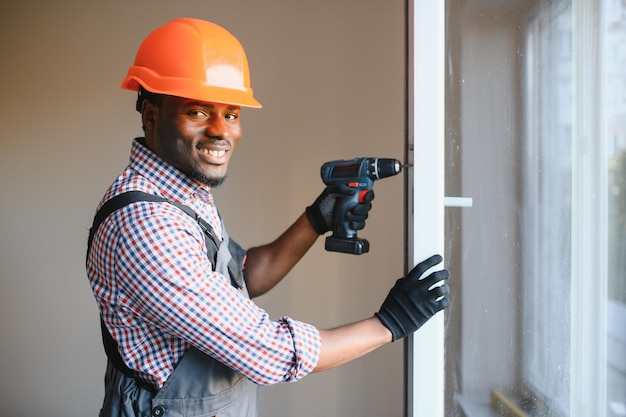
(424,350)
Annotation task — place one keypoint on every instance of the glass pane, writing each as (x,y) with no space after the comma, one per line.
(514,75)
(520,192)
(614,131)
(546,205)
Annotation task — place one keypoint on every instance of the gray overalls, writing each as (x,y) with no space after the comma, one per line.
(200,386)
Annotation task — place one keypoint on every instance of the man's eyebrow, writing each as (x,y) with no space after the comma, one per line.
(207,105)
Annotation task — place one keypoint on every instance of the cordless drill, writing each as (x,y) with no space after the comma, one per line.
(359,173)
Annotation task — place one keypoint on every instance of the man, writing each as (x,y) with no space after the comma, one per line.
(182,336)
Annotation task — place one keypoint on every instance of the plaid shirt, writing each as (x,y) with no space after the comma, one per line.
(158,294)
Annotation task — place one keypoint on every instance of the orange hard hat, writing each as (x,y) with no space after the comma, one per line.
(195,59)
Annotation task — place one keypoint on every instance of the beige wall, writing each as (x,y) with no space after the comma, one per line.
(330,75)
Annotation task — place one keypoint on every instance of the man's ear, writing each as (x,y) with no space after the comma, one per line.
(147,114)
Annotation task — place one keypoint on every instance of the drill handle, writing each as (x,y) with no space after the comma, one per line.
(344,238)
(341,225)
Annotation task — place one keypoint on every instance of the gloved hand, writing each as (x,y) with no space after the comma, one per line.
(414,300)
(321,212)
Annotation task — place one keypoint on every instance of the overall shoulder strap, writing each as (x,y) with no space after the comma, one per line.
(129,197)
(110,206)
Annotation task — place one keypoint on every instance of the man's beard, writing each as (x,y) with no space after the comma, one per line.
(203,179)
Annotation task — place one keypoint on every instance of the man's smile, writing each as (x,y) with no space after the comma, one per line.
(212,153)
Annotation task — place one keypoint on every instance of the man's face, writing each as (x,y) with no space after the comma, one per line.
(196,137)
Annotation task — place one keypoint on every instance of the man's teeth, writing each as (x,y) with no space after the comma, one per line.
(213,153)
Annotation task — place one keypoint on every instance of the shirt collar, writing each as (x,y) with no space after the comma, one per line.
(172,182)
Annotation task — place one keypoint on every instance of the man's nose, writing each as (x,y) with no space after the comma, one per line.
(218,128)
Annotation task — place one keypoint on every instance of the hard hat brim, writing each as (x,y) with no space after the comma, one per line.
(186,88)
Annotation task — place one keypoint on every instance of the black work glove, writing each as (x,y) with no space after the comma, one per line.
(321,212)
(414,300)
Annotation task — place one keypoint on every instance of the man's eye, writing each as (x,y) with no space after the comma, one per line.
(232,116)
(198,114)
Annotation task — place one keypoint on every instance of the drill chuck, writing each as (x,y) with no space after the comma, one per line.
(385,167)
